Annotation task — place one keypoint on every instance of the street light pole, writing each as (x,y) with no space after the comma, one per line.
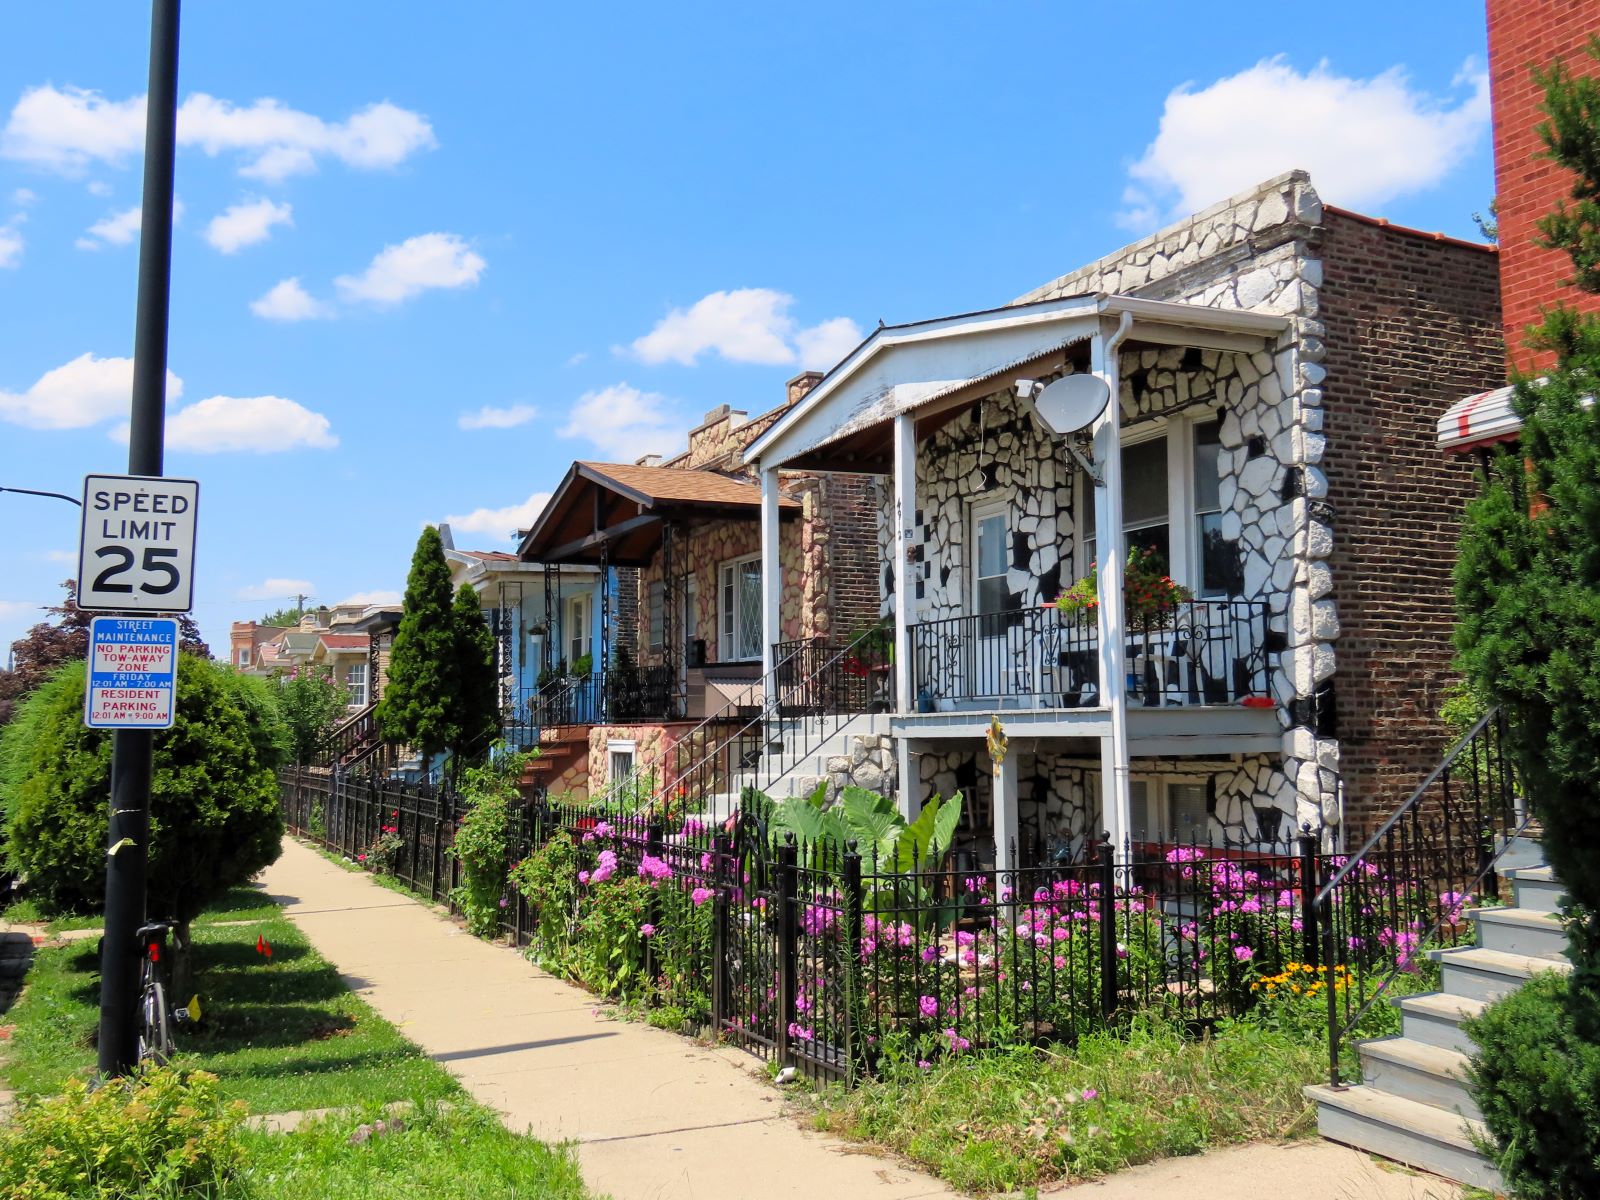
(52,495)
(132,749)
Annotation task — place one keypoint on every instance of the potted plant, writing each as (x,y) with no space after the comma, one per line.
(1150,597)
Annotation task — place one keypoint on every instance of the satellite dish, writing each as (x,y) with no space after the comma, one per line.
(1072,402)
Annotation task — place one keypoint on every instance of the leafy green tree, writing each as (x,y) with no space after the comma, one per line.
(1528,575)
(311,705)
(214,816)
(478,714)
(283,618)
(421,701)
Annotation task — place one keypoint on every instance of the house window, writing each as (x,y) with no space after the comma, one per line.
(1168,810)
(1219,572)
(619,760)
(991,539)
(355,683)
(739,609)
(578,633)
(1145,523)
(658,614)
(244,657)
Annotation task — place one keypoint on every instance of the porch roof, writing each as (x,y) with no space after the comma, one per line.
(932,367)
(612,512)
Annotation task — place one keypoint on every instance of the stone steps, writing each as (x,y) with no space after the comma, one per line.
(1414,1104)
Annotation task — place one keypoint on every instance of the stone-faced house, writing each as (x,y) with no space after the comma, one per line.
(1277,366)
(680,549)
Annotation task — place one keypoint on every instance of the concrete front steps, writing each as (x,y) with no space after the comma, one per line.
(796,758)
(1414,1105)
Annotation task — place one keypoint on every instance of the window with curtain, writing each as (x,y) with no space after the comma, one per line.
(1220,572)
(1145,521)
(658,614)
(577,633)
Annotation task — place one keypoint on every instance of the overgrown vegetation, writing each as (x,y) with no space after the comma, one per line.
(483,840)
(311,704)
(158,1136)
(1026,1117)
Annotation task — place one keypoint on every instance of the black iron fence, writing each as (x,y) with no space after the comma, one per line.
(830,959)
(1193,652)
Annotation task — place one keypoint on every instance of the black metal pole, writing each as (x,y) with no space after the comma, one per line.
(132,750)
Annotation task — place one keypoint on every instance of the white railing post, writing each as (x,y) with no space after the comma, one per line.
(904,510)
(771,576)
(1112,553)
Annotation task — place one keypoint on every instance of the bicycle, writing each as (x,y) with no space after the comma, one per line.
(156,1017)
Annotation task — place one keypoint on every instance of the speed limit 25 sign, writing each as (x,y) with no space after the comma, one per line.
(137,548)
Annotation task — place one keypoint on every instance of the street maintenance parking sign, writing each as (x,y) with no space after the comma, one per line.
(133,673)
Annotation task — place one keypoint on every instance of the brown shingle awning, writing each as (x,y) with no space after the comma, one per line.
(613,512)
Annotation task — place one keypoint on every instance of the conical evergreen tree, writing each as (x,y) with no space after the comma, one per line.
(1528,576)
(478,716)
(422,698)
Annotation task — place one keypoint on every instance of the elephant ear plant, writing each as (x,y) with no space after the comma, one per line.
(889,845)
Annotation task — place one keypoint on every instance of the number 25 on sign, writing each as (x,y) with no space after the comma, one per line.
(137,548)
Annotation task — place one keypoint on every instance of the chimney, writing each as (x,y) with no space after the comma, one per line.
(647,460)
(801,384)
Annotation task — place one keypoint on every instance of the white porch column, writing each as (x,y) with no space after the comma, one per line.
(1005,812)
(905,507)
(771,571)
(1112,554)
(910,789)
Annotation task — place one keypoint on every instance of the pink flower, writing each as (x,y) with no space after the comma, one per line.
(1090,1094)
(583,877)
(647,930)
(700,895)
(929,1006)
(957,1042)
(1243,953)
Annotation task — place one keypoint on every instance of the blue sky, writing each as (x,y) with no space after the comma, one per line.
(429,254)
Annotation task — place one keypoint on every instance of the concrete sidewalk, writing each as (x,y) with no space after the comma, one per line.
(654,1115)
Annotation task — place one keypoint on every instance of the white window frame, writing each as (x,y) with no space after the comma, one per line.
(356,692)
(1183,532)
(244,656)
(577,633)
(1158,803)
(978,512)
(728,627)
(616,747)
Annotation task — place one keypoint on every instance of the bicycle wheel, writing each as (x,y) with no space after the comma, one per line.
(155,1026)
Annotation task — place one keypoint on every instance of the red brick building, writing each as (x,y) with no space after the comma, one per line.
(1524,34)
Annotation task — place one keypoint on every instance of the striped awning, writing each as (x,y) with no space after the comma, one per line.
(1479,420)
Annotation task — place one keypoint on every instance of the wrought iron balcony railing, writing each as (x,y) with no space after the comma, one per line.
(1195,652)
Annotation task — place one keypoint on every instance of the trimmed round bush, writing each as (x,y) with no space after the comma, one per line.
(1536,1077)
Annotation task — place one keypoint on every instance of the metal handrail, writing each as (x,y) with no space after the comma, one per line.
(1411,802)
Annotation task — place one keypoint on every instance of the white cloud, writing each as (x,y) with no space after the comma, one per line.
(397,273)
(64,557)
(11,243)
(288,301)
(822,346)
(275,589)
(1365,141)
(500,523)
(67,129)
(489,417)
(747,325)
(245,224)
(120,228)
(261,424)
(116,230)
(99,187)
(23,197)
(77,394)
(622,422)
(580,357)
(378,596)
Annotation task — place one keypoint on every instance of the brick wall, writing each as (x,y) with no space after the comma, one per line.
(1413,324)
(1524,34)
(850,505)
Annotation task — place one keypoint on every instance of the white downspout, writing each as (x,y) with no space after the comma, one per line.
(771,572)
(904,510)
(1112,554)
